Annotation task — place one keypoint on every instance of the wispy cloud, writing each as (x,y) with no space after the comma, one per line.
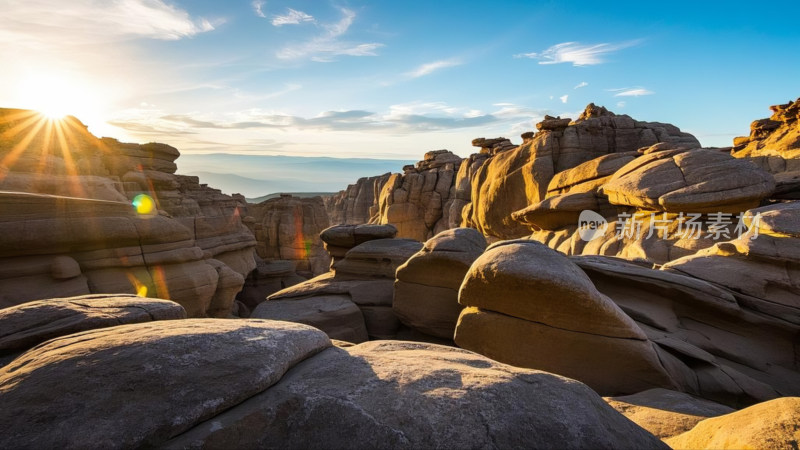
(258,8)
(326,46)
(403,118)
(48,22)
(292,17)
(621,104)
(563,98)
(429,68)
(581,84)
(631,92)
(576,53)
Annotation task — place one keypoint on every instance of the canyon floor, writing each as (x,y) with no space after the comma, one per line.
(604,283)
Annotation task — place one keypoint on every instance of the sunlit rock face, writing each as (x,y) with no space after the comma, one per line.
(774,144)
(482,191)
(356,204)
(515,178)
(82,215)
(417,202)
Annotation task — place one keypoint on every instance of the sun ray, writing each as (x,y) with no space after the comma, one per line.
(76,190)
(11,158)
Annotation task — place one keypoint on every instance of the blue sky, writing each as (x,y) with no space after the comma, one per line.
(391,79)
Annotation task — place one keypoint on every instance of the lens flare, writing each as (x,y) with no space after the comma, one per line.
(144,205)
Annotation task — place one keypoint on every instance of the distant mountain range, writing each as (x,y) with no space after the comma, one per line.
(259,175)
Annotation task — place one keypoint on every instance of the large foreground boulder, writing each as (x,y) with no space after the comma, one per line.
(139,385)
(254,384)
(393,394)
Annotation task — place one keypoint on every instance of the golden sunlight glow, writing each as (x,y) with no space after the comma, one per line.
(55,95)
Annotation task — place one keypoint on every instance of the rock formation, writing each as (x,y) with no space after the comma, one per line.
(529,306)
(626,327)
(774,143)
(417,202)
(515,178)
(426,290)
(68,226)
(287,228)
(356,204)
(485,189)
(770,424)
(29,324)
(339,239)
(666,413)
(266,279)
(352,302)
(253,383)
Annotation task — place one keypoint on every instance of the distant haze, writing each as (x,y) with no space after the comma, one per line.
(259,175)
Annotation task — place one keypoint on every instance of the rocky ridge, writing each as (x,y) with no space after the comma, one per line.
(69,227)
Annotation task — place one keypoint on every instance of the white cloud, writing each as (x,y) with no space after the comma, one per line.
(576,53)
(292,17)
(427,69)
(621,104)
(563,98)
(581,84)
(48,23)
(631,92)
(325,47)
(258,7)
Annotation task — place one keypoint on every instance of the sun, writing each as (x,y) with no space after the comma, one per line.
(54,95)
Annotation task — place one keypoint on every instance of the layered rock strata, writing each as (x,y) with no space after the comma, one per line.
(626,327)
(287,228)
(352,302)
(83,215)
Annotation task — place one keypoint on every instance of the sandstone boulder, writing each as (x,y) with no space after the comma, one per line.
(426,290)
(700,180)
(771,424)
(372,296)
(377,258)
(336,315)
(29,324)
(393,394)
(562,210)
(364,277)
(530,306)
(666,413)
(710,339)
(339,239)
(589,176)
(761,266)
(142,384)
